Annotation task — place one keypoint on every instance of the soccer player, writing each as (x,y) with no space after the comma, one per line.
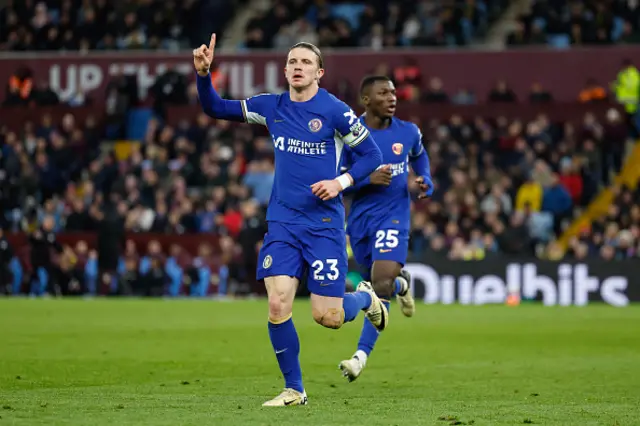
(305,216)
(379,219)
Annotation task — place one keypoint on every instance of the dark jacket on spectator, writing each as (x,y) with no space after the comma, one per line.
(556,200)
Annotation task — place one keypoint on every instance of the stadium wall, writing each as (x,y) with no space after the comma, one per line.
(563,72)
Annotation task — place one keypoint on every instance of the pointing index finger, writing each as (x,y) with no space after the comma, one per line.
(212,43)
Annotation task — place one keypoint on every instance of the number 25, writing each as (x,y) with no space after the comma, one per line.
(388,238)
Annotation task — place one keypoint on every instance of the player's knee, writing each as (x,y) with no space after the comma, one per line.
(330,318)
(383,286)
(278,307)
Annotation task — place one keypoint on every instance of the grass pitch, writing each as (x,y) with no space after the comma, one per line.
(138,362)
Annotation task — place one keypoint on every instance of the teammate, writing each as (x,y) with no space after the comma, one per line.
(309,128)
(379,219)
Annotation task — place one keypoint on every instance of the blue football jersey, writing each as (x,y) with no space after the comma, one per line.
(308,138)
(387,206)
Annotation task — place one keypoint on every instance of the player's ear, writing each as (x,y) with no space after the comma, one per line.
(364,100)
(320,73)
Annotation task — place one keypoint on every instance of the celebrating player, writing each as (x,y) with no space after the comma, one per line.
(305,216)
(379,219)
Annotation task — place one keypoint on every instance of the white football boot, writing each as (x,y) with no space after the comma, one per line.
(351,368)
(404,298)
(288,397)
(376,313)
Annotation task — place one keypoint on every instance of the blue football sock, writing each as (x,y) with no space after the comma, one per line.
(369,334)
(284,339)
(353,303)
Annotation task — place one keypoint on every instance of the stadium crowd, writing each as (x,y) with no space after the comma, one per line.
(153,24)
(372,24)
(562,23)
(615,236)
(47,25)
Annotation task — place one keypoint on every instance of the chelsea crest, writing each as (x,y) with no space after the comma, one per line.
(315,125)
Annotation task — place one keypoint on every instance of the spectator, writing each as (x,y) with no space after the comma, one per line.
(6,256)
(110,235)
(408,79)
(515,238)
(464,97)
(529,196)
(615,138)
(539,95)
(502,93)
(627,89)
(630,35)
(44,277)
(259,179)
(20,88)
(571,180)
(435,93)
(592,92)
(557,201)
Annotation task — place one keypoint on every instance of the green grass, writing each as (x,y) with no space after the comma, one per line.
(130,362)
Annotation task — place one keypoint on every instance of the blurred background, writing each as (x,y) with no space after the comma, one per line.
(112,181)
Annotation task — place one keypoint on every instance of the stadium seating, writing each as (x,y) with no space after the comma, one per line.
(375,24)
(106,25)
(561,24)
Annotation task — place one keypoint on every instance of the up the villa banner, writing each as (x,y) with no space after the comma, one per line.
(562,72)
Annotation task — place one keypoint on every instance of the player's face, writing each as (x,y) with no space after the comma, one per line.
(302,68)
(382,99)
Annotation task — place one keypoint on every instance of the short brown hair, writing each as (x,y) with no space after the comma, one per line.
(311,47)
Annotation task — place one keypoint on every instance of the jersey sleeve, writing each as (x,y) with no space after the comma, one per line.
(348,126)
(256,109)
(417,148)
(347,158)
(418,156)
(367,156)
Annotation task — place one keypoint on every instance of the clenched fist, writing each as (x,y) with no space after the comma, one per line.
(326,189)
(382,176)
(203,56)
(426,186)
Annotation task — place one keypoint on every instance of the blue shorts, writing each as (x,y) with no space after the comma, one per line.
(380,244)
(291,249)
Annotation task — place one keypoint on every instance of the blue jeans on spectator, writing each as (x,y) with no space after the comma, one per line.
(39,281)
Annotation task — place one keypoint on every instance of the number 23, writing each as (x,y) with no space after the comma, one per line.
(318,266)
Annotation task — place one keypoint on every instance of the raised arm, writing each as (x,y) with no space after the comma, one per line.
(212,104)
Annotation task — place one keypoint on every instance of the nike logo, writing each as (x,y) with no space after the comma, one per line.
(324,284)
(278,121)
(281,350)
(289,402)
(385,250)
